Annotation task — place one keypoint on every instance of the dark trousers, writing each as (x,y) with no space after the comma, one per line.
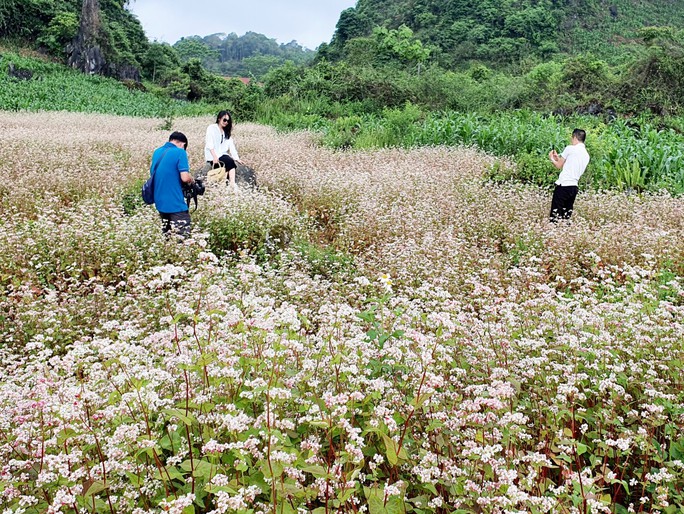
(227,161)
(176,223)
(562,202)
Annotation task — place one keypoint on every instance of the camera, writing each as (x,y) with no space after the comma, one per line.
(192,191)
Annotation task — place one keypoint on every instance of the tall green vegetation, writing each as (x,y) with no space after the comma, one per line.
(557,56)
(53,87)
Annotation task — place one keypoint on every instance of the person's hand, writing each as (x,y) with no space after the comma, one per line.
(215,161)
(553,155)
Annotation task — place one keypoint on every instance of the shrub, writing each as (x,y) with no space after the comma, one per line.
(323,260)
(131,197)
(60,32)
(257,223)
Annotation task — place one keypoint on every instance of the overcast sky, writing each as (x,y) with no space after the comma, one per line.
(309,22)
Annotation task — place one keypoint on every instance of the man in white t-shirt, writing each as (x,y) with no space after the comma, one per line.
(572,162)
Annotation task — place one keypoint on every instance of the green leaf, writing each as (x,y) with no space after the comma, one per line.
(96,487)
(286,508)
(390,450)
(135,479)
(165,442)
(213,489)
(205,359)
(394,505)
(375,500)
(581,448)
(419,402)
(275,470)
(344,496)
(65,434)
(203,469)
(169,473)
(317,471)
(177,413)
(431,488)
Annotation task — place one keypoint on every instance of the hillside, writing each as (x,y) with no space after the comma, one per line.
(49,26)
(251,54)
(505,31)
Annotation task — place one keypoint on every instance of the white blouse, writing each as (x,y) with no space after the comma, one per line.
(216,140)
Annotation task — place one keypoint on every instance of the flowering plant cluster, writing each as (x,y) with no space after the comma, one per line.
(473,358)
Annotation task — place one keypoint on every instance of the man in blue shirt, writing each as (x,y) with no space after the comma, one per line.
(172,170)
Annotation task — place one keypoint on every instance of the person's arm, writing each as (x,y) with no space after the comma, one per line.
(184,168)
(556,159)
(232,150)
(209,144)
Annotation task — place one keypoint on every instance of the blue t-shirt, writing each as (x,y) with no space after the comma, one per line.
(168,190)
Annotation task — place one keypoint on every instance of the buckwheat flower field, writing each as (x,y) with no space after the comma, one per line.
(379,332)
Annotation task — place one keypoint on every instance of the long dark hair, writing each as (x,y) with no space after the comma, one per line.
(228,128)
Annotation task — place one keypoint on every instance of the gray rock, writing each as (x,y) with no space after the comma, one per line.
(19,73)
(245,176)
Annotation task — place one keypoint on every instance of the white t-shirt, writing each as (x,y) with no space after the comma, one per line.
(216,140)
(576,161)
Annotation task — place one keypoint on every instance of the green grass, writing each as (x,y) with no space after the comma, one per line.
(54,87)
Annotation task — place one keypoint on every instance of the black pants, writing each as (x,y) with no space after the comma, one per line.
(562,202)
(227,161)
(176,223)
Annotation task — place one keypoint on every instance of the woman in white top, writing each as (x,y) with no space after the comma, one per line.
(220,147)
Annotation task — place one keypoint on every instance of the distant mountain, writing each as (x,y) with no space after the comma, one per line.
(250,54)
(501,32)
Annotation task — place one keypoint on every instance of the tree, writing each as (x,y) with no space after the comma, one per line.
(400,44)
(259,65)
(159,61)
(282,80)
(655,81)
(26,19)
(351,24)
(195,48)
(387,46)
(60,32)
